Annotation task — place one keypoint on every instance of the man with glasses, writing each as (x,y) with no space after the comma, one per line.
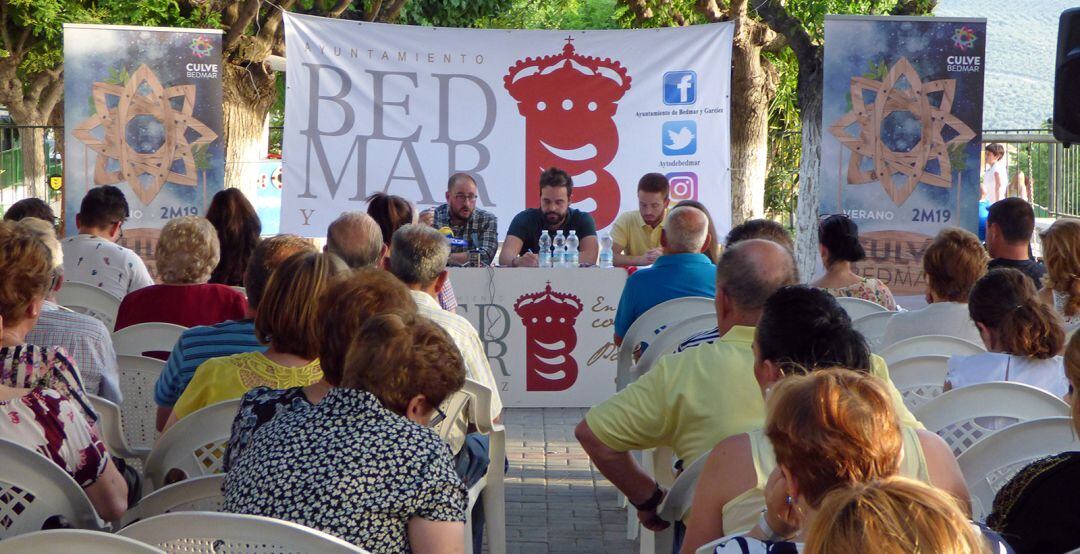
(92,256)
(478,228)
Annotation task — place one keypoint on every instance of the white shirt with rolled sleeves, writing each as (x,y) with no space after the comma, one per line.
(468,342)
(103,264)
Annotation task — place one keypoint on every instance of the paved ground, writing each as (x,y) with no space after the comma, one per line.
(556,501)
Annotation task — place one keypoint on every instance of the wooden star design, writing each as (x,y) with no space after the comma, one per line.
(887,99)
(133,99)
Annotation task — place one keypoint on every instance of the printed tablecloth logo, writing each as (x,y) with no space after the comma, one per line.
(550,338)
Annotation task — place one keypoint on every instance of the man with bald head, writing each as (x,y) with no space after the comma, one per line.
(682,270)
(692,400)
(356,239)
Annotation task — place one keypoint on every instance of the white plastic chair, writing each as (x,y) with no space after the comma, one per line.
(110,424)
(198,494)
(90,300)
(919,379)
(857,307)
(992,462)
(212,532)
(490,489)
(872,326)
(138,375)
(33,489)
(139,339)
(938,345)
(195,445)
(644,329)
(75,540)
(668,341)
(966,415)
(681,494)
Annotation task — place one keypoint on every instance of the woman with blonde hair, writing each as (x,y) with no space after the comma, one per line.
(187,253)
(287,321)
(892,516)
(1061,254)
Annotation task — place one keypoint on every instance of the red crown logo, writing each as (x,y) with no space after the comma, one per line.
(533,78)
(550,339)
(548,306)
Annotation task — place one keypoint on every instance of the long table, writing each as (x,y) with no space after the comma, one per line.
(547,332)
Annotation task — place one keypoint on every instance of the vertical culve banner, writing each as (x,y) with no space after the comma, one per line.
(373,107)
(902,118)
(143,112)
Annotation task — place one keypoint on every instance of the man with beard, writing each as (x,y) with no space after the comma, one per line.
(479,228)
(636,234)
(522,239)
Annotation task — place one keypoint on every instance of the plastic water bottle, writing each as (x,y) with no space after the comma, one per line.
(545,249)
(558,257)
(572,259)
(607,256)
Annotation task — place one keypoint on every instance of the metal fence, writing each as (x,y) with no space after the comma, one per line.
(1053,171)
(16,182)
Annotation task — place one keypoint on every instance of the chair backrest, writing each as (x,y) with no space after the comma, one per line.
(993,461)
(857,307)
(139,339)
(198,494)
(681,494)
(646,325)
(76,540)
(940,345)
(110,424)
(668,341)
(34,489)
(212,532)
(966,415)
(90,300)
(138,375)
(195,445)
(872,326)
(919,379)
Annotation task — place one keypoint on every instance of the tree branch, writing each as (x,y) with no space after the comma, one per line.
(710,10)
(339,9)
(41,81)
(245,14)
(373,10)
(393,11)
(268,31)
(779,20)
(53,93)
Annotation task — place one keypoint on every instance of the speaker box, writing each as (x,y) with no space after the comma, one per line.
(1067,79)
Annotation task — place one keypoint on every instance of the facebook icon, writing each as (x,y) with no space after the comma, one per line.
(680,87)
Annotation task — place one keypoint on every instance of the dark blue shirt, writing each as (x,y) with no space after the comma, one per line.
(528,224)
(671,276)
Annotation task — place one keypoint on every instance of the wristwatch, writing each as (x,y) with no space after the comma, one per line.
(653,501)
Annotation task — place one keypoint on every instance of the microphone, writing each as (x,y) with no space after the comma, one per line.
(449,234)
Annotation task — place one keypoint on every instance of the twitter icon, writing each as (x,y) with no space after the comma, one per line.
(679,138)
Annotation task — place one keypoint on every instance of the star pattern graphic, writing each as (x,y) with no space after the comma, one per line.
(132,100)
(887,99)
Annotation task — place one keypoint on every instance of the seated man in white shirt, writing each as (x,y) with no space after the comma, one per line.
(953,263)
(92,256)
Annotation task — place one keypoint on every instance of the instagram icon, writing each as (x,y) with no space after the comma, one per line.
(684,185)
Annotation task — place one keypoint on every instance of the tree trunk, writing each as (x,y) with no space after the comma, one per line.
(32,143)
(809,97)
(752,90)
(247,97)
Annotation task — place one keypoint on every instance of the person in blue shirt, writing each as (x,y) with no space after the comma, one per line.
(682,270)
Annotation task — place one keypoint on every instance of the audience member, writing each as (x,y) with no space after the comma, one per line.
(360,464)
(893,515)
(712,241)
(199,344)
(391,213)
(522,242)
(1036,510)
(1061,253)
(681,271)
(637,234)
(953,262)
(993,186)
(691,400)
(287,321)
(238,228)
(92,256)
(356,239)
(344,306)
(802,330)
(83,337)
(838,243)
(1009,227)
(1023,336)
(25,278)
(186,253)
(480,228)
(30,207)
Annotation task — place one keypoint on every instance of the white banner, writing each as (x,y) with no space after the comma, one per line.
(374,107)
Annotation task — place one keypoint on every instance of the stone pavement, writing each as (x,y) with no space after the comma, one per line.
(556,500)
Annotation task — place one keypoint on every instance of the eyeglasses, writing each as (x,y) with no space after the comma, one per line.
(468,197)
(438,418)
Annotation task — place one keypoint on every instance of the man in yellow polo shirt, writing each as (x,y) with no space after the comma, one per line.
(692,400)
(635,235)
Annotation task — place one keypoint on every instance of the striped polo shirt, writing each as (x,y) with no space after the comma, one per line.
(198,344)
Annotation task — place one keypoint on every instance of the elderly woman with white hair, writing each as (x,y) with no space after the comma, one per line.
(187,253)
